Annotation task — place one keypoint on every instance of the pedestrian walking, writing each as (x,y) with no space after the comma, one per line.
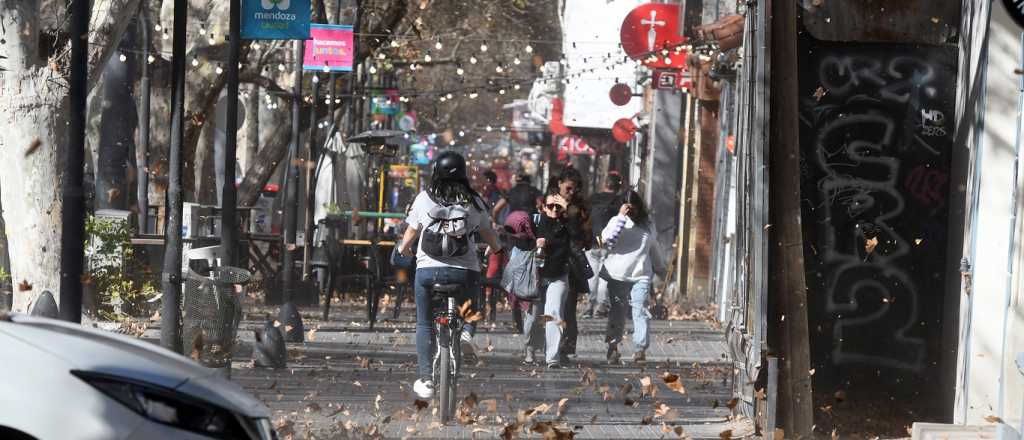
(569,186)
(546,316)
(441,224)
(495,260)
(520,202)
(632,261)
(603,206)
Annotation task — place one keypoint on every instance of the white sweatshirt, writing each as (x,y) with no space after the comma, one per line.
(633,250)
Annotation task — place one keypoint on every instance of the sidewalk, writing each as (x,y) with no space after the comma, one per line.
(349,382)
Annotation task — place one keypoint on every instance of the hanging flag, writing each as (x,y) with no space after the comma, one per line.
(331,48)
(275,19)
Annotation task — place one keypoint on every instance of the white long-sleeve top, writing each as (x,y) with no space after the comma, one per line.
(633,251)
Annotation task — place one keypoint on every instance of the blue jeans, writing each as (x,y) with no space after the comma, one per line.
(622,297)
(425,280)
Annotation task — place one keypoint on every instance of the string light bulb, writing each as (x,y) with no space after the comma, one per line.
(219,69)
(516,61)
(165,35)
(123,58)
(449,96)
(151,59)
(394,43)
(529,49)
(195,62)
(373,70)
(472,60)
(280,67)
(212,40)
(516,87)
(438,45)
(483,47)
(158,27)
(499,69)
(459,71)
(256,45)
(202,29)
(427,58)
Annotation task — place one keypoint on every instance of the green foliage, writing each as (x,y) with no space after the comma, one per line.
(120,283)
(4,276)
(332,209)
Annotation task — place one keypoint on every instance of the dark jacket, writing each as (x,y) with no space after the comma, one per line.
(556,247)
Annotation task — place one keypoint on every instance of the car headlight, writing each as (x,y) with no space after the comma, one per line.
(169,407)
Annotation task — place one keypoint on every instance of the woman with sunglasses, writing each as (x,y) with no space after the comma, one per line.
(569,185)
(633,258)
(548,312)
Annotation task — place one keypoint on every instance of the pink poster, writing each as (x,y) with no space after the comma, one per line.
(329,49)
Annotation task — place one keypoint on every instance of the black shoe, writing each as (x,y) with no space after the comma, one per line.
(589,314)
(613,354)
(554,365)
(640,356)
(564,359)
(602,312)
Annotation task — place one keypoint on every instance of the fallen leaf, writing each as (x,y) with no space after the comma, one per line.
(994,419)
(357,384)
(313,407)
(647,420)
(197,347)
(311,334)
(673,383)
(819,93)
(731,404)
(870,244)
(24,286)
(561,407)
(33,146)
(779,434)
(725,435)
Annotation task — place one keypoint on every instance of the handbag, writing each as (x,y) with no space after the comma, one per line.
(581,264)
(522,275)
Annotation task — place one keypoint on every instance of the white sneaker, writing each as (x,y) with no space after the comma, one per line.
(468,349)
(424,389)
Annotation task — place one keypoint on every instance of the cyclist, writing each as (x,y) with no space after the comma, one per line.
(442,223)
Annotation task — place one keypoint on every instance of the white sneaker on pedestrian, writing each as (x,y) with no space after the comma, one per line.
(424,389)
(468,349)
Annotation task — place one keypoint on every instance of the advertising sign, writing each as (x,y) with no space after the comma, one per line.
(386,104)
(650,34)
(331,48)
(275,19)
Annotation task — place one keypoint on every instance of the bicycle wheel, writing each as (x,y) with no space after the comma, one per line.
(445,394)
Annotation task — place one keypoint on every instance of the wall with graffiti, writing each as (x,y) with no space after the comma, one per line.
(876,136)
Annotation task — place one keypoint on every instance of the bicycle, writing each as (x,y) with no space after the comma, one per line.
(448,324)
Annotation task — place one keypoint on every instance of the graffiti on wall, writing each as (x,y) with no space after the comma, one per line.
(875,145)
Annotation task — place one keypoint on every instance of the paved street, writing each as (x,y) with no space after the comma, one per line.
(349,382)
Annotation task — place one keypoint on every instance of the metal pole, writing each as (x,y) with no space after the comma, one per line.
(72,254)
(142,146)
(310,161)
(170,309)
(229,194)
(289,315)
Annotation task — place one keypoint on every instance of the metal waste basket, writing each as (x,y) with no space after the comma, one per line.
(211,312)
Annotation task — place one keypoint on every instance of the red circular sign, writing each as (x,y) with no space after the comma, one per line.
(650,33)
(620,94)
(623,130)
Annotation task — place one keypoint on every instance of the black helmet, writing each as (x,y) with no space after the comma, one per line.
(449,165)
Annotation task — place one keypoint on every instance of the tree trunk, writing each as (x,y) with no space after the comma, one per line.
(252,128)
(116,130)
(33,112)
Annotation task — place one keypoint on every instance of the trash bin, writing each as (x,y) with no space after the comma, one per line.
(211,312)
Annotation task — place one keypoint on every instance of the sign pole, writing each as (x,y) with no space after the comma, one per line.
(289,316)
(229,194)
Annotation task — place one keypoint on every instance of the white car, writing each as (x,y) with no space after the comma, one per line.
(64,381)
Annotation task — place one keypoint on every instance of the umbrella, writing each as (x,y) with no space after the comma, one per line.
(375,137)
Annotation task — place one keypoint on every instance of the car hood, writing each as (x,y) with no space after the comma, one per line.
(109,353)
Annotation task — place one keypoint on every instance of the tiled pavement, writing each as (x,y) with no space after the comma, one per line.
(347,381)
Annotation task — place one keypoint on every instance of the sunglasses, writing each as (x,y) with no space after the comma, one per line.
(554,206)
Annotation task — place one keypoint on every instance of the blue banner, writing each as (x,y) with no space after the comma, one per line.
(275,19)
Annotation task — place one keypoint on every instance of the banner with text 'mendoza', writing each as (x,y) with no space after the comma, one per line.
(275,19)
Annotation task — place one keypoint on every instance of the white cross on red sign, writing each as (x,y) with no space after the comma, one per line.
(650,34)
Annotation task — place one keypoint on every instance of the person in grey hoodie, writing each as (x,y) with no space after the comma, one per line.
(633,258)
